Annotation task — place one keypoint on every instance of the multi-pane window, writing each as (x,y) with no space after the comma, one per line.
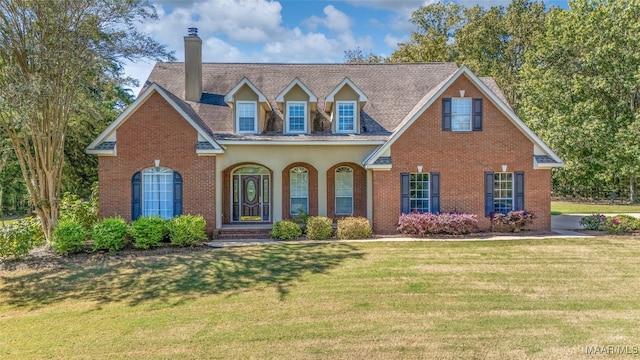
(502,192)
(419,192)
(246,116)
(296,116)
(461,114)
(157,192)
(344,190)
(299,190)
(346,116)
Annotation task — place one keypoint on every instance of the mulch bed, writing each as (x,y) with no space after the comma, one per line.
(42,258)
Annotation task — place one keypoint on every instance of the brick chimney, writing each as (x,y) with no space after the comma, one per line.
(192,66)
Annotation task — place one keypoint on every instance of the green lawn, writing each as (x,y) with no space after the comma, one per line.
(541,299)
(566,207)
(8,222)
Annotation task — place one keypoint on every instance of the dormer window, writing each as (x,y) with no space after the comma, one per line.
(246,119)
(344,103)
(346,116)
(297,102)
(296,116)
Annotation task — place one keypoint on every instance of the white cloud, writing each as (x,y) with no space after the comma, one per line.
(393,41)
(334,20)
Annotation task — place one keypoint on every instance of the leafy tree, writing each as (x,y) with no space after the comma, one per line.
(582,91)
(54,57)
(81,169)
(490,41)
(356,56)
(430,42)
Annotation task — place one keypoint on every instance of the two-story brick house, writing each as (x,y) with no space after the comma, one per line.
(250,144)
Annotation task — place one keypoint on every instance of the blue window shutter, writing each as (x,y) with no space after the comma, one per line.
(519,187)
(446,114)
(477,114)
(435,192)
(177,194)
(136,195)
(405,206)
(488,193)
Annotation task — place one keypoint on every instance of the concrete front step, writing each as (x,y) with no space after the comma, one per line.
(228,233)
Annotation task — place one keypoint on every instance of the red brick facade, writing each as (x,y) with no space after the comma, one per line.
(156,131)
(462,158)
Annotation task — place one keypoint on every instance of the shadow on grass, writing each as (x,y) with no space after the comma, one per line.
(177,277)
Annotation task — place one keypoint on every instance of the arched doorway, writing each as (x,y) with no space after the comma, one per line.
(250,194)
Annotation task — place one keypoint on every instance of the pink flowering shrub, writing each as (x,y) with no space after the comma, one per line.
(594,222)
(621,224)
(421,224)
(513,221)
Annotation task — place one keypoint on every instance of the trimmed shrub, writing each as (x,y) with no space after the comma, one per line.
(148,231)
(285,230)
(319,228)
(109,234)
(68,237)
(513,221)
(187,230)
(353,228)
(84,212)
(594,222)
(622,224)
(422,224)
(18,238)
(301,219)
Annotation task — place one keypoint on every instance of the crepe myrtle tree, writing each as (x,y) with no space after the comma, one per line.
(54,55)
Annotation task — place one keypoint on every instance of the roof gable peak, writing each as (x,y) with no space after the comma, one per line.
(296,81)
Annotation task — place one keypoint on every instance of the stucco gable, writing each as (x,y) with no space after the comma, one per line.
(108,136)
(434,94)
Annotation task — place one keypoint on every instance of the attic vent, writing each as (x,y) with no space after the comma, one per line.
(192,31)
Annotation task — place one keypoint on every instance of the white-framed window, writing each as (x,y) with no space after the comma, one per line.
(246,116)
(157,192)
(296,116)
(419,192)
(502,192)
(344,190)
(299,190)
(346,116)
(460,114)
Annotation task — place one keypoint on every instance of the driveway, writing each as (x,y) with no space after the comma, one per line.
(572,221)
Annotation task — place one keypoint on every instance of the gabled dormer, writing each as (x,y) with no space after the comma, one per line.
(344,104)
(250,107)
(297,103)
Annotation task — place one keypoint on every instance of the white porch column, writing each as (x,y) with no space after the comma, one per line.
(276,193)
(322,191)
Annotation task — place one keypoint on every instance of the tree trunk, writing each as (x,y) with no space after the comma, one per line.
(633,194)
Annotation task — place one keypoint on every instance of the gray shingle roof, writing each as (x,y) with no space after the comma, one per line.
(544,159)
(383,160)
(392,90)
(106,145)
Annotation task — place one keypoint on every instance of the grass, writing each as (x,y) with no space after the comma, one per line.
(568,207)
(520,299)
(9,221)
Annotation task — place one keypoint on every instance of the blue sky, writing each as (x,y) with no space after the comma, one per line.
(285,31)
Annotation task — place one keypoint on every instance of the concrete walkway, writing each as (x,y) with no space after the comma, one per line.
(572,221)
